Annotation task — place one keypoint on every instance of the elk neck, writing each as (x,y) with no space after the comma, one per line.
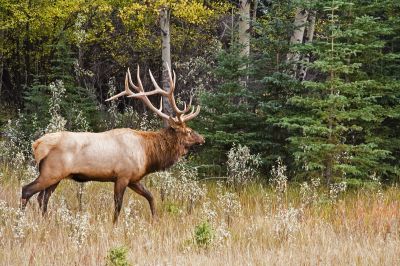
(162,148)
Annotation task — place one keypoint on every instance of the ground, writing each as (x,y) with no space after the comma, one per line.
(257,225)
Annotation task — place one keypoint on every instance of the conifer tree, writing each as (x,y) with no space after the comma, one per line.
(229,115)
(77,102)
(332,119)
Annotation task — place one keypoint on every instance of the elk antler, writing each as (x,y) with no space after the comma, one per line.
(180,115)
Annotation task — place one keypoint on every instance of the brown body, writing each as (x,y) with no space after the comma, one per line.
(123,156)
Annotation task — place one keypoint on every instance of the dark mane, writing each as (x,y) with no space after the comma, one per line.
(162,149)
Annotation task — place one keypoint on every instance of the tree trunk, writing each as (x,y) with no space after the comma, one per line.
(166,56)
(309,38)
(310,27)
(244,33)
(244,27)
(297,37)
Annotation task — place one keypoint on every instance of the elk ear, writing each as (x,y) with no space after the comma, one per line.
(172,123)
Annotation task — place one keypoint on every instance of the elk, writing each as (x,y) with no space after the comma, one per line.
(123,156)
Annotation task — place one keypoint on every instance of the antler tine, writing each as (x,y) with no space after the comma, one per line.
(171,80)
(174,79)
(191,115)
(186,109)
(131,82)
(160,109)
(154,81)
(127,91)
(141,94)
(141,91)
(139,80)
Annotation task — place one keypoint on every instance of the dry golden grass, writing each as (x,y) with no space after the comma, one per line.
(360,228)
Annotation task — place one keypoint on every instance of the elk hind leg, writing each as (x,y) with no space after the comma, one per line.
(141,190)
(44,196)
(47,178)
(41,183)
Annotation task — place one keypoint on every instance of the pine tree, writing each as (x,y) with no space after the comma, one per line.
(272,82)
(79,106)
(229,113)
(332,121)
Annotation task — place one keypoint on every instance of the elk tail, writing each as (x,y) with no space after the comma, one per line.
(42,146)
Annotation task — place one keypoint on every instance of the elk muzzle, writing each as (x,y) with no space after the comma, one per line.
(198,139)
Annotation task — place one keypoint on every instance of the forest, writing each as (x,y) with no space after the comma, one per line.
(300,111)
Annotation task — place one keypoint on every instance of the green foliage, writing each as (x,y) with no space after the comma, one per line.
(203,234)
(172,208)
(333,120)
(77,106)
(229,115)
(117,257)
(353,183)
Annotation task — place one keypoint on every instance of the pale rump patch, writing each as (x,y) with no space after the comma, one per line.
(42,146)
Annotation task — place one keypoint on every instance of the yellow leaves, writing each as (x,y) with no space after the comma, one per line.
(15,14)
(141,19)
(192,12)
(43,20)
(138,18)
(105,8)
(133,12)
(220,7)
(39,14)
(138,15)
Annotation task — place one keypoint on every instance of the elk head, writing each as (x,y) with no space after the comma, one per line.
(185,136)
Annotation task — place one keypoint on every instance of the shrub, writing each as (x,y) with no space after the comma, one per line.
(204,234)
(117,257)
(279,180)
(242,165)
(180,184)
(229,204)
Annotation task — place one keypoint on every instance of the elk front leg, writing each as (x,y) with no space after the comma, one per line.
(141,190)
(119,190)
(44,196)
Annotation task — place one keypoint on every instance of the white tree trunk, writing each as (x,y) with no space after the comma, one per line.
(165,14)
(244,33)
(298,35)
(309,38)
(311,26)
(244,27)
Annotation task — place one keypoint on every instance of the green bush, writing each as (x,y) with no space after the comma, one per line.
(203,234)
(172,208)
(117,257)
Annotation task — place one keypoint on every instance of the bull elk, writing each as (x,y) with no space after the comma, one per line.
(123,156)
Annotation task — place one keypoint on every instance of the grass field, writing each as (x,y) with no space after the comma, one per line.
(259,225)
